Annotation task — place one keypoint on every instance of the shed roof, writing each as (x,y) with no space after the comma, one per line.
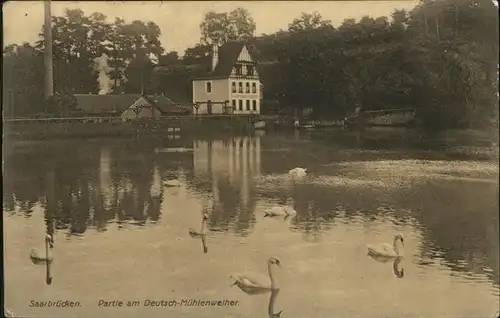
(120,102)
(105,103)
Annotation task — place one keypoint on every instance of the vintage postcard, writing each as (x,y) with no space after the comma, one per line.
(251,159)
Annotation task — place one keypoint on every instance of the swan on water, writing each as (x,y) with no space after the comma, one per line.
(251,284)
(36,258)
(193,232)
(172,183)
(386,249)
(298,172)
(280,210)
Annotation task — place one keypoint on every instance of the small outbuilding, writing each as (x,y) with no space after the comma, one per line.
(129,106)
(142,107)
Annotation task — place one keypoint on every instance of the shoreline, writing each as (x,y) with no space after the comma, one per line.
(173,128)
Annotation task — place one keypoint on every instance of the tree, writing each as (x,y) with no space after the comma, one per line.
(117,52)
(171,58)
(194,54)
(308,21)
(242,24)
(130,53)
(23,78)
(138,74)
(222,27)
(77,42)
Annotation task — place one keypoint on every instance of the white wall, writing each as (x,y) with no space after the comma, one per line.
(219,93)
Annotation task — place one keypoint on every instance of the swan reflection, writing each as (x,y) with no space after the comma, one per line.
(201,234)
(204,244)
(272,301)
(398,272)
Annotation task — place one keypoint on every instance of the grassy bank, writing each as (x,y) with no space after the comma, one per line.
(35,130)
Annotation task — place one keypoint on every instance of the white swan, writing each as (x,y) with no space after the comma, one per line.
(36,258)
(193,232)
(172,183)
(252,285)
(386,249)
(280,210)
(298,172)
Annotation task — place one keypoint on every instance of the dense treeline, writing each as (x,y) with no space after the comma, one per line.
(441,57)
(84,47)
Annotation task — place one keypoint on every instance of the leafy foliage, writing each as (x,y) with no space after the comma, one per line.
(79,43)
(222,27)
(441,57)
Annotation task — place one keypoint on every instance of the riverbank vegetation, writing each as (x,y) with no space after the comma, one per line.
(441,58)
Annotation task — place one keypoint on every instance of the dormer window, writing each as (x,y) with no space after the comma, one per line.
(238,69)
(250,70)
(209,87)
(244,69)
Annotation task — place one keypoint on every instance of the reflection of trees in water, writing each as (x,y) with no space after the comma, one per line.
(76,190)
(460,225)
(459,220)
(23,184)
(318,205)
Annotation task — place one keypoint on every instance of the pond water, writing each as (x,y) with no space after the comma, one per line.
(121,235)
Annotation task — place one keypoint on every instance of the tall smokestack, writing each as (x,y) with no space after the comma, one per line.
(47,31)
(215,55)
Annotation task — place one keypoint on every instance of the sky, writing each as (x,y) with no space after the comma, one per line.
(179,20)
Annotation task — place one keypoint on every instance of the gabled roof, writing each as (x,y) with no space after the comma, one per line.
(228,54)
(165,104)
(120,102)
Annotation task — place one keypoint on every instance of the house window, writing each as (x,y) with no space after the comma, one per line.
(247,87)
(209,87)
(254,105)
(244,69)
(240,104)
(240,87)
(233,87)
(234,104)
(248,104)
(250,70)
(254,88)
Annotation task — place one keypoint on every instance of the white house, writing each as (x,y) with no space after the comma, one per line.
(232,85)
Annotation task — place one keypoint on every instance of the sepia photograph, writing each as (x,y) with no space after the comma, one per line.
(251,159)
